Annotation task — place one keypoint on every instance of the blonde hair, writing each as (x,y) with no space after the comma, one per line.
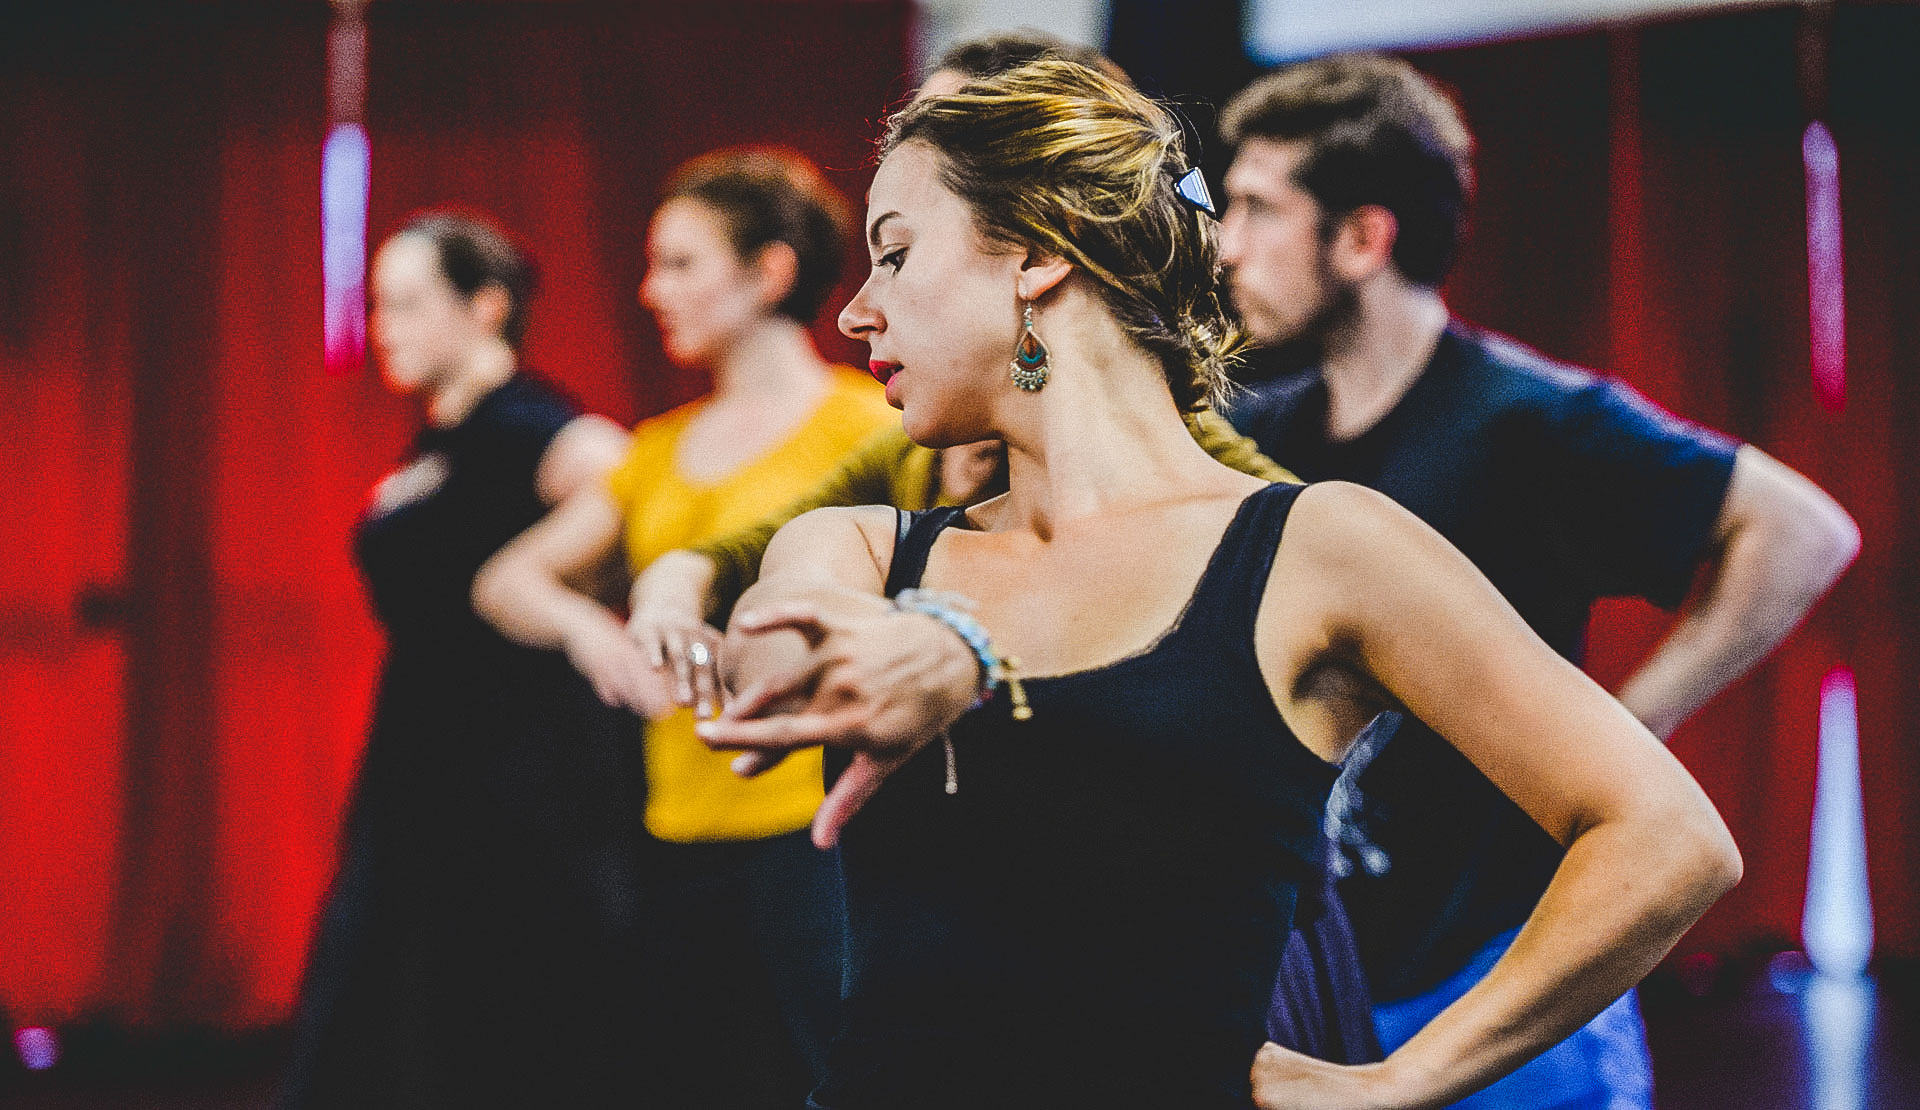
(1058,156)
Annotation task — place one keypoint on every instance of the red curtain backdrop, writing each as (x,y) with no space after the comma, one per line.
(185,654)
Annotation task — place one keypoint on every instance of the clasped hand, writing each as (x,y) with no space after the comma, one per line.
(1287,1080)
(666,619)
(858,674)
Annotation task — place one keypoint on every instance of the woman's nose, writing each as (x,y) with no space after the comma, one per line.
(859,320)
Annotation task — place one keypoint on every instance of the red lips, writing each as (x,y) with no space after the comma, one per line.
(881,371)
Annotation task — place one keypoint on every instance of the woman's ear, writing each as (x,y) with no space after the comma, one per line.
(1040,271)
(776,269)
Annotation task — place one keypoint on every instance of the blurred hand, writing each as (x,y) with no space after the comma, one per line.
(881,684)
(619,670)
(668,620)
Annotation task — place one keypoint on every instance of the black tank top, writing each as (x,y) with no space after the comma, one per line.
(1095,918)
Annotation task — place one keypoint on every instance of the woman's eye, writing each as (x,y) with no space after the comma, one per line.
(893,258)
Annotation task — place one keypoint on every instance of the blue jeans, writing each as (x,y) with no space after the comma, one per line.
(1602,1066)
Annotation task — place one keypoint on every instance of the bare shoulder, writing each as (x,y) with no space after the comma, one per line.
(846,545)
(1343,530)
(1352,560)
(841,524)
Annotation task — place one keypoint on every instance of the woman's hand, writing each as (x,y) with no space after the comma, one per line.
(667,619)
(1287,1080)
(619,670)
(874,680)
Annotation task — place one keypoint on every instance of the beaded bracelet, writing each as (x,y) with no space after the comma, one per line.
(950,609)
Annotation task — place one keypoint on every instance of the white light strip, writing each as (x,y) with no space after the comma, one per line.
(1837,1015)
(1837,926)
(1826,274)
(1288,30)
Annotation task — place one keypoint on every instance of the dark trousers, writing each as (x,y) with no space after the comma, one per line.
(744,945)
(464,965)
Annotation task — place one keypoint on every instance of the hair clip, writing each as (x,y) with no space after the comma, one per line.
(1192,188)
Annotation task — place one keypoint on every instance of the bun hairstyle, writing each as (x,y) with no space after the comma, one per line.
(1057,156)
(474,253)
(767,195)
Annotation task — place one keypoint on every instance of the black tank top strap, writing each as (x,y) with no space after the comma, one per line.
(1227,599)
(914,542)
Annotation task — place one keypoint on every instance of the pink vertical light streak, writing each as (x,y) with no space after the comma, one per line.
(1826,280)
(345,174)
(344,177)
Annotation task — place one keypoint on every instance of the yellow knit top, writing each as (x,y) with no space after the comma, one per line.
(692,795)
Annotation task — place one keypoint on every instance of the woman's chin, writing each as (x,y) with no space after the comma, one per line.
(929,432)
(401,383)
(918,431)
(686,353)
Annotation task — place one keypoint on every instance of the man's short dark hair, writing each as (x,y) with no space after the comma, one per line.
(1377,132)
(993,55)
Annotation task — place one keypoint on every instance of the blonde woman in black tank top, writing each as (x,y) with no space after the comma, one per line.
(1083,907)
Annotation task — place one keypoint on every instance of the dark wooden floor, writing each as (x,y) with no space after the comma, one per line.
(1784,1041)
(1788,1042)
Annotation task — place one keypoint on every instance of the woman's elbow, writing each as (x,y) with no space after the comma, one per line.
(493,588)
(1714,863)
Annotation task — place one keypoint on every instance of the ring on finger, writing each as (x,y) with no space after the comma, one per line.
(698,655)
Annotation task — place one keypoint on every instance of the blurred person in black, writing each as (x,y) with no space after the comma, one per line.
(1346,202)
(472,949)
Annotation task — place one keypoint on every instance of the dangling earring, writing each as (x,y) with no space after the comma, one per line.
(1030,357)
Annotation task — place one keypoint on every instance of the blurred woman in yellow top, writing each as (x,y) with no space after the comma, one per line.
(744,942)
(692,794)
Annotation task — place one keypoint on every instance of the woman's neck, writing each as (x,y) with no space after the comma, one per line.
(773,359)
(485,369)
(764,389)
(1103,435)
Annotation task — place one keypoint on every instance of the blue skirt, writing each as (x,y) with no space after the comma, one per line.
(1602,1066)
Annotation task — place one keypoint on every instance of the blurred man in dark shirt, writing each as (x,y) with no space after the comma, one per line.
(1346,202)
